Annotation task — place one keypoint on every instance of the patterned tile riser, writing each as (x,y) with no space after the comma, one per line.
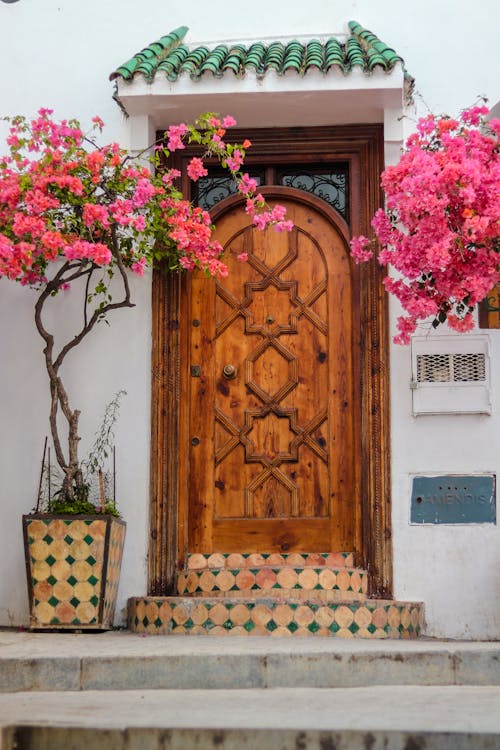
(188,616)
(281,594)
(70,573)
(198,561)
(325,583)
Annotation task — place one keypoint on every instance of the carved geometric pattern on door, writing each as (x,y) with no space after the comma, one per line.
(271,432)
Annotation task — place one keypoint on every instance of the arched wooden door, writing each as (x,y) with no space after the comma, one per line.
(273,406)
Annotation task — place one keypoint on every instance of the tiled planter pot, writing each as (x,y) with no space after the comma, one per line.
(73,569)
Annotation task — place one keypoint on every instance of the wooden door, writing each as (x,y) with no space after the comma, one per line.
(272,403)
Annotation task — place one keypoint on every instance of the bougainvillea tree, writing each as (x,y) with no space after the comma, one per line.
(82,216)
(440,230)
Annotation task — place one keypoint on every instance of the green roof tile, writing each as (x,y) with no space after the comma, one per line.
(171,57)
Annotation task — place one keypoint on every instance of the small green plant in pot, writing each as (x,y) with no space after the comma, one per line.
(74,548)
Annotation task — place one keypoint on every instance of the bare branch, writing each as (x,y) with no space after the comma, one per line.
(101,311)
(85,303)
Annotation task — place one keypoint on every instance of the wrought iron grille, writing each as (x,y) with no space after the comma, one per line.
(329,186)
(213,188)
(445,368)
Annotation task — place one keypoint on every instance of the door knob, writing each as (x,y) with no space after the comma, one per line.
(229,372)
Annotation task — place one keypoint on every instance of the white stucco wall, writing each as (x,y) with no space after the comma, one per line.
(58,53)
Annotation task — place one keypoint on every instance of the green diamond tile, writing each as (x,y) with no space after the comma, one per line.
(47,538)
(158,622)
(91,560)
(50,560)
(68,539)
(145,621)
(55,621)
(334,627)
(51,580)
(313,627)
(371,628)
(74,601)
(208,623)
(271,625)
(88,539)
(31,540)
(94,600)
(292,626)
(228,625)
(92,580)
(70,559)
(53,601)
(189,624)
(249,626)
(354,627)
(72,580)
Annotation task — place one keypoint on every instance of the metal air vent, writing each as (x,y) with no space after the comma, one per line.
(450,375)
(451,368)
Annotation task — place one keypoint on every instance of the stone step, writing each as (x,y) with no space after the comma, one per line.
(269,616)
(198,561)
(376,717)
(120,660)
(324,584)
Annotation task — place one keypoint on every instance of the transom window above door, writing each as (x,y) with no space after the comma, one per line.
(330,182)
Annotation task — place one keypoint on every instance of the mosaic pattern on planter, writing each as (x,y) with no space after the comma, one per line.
(198,561)
(324,584)
(113,568)
(209,616)
(73,567)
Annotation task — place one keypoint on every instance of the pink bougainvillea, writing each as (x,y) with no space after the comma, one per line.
(440,230)
(63,196)
(77,214)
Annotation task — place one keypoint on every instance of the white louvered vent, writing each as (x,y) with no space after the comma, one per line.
(450,375)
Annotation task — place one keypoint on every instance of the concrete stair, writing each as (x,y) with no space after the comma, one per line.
(121,691)
(274,594)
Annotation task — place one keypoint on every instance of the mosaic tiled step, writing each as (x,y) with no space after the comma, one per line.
(211,616)
(324,584)
(198,561)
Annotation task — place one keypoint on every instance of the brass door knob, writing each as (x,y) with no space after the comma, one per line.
(229,372)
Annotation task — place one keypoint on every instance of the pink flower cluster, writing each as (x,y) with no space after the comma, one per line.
(441,227)
(64,198)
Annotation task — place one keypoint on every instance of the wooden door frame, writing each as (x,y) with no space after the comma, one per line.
(361,147)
